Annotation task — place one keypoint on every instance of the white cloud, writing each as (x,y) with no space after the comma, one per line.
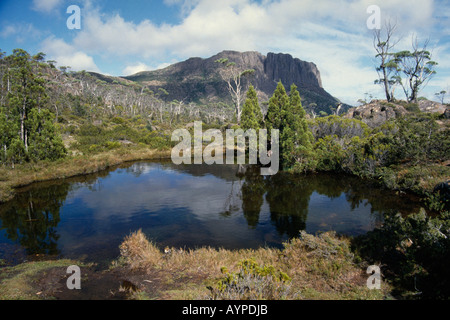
(332,34)
(46,6)
(22,32)
(8,31)
(140,66)
(67,55)
(133,69)
(236,24)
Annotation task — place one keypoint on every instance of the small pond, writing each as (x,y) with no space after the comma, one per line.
(186,206)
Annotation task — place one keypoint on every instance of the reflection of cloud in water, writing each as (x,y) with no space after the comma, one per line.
(337,214)
(156,189)
(196,205)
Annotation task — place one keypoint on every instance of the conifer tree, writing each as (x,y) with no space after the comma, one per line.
(286,114)
(296,137)
(277,103)
(252,117)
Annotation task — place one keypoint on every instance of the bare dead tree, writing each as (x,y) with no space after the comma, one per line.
(383,43)
(233,76)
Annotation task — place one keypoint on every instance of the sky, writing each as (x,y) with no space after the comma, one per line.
(120,38)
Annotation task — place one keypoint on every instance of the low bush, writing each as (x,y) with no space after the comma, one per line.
(252,282)
(414,252)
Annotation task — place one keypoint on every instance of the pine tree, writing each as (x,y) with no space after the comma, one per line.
(296,137)
(277,104)
(252,117)
(286,114)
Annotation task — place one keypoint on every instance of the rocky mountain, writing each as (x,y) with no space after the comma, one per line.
(198,80)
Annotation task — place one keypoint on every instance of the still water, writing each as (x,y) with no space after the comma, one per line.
(186,206)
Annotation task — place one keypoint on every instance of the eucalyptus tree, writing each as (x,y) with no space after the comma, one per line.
(25,90)
(28,130)
(415,69)
(441,96)
(233,76)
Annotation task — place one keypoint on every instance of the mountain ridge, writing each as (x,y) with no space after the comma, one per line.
(197,79)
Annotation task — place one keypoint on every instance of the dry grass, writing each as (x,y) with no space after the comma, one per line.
(26,174)
(139,252)
(317,267)
(320,267)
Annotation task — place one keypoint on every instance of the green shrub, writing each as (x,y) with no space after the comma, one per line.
(118,120)
(415,252)
(113,145)
(90,130)
(329,153)
(94,138)
(412,107)
(252,282)
(94,148)
(157,141)
(437,202)
(70,129)
(387,177)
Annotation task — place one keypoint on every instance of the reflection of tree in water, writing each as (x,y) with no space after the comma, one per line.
(289,195)
(288,198)
(32,217)
(231,206)
(137,169)
(252,193)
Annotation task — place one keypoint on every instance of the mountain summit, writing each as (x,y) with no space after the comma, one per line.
(198,80)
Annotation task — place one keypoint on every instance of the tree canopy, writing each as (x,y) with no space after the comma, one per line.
(27,126)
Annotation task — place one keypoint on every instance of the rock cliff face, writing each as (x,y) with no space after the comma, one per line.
(290,70)
(198,79)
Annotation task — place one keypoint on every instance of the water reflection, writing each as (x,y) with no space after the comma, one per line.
(226,206)
(31,219)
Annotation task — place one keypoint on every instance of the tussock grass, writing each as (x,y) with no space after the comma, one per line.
(139,252)
(319,267)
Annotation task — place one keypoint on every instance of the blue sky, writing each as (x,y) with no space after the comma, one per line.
(124,37)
